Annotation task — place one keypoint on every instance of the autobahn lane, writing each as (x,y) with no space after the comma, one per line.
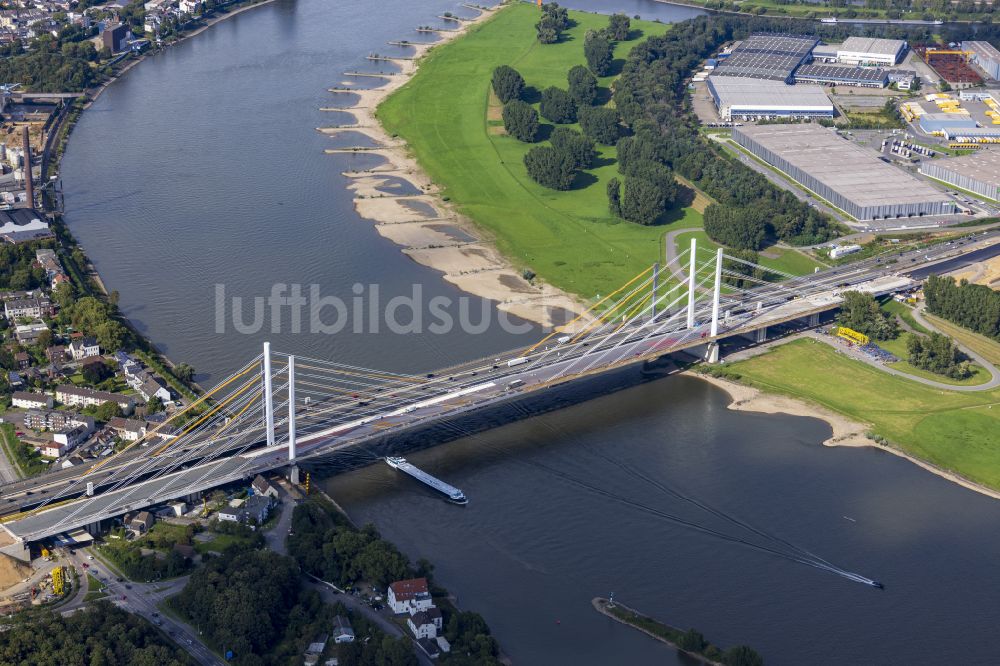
(372,412)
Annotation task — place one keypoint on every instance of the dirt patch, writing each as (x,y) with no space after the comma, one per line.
(515,283)
(12,572)
(494,109)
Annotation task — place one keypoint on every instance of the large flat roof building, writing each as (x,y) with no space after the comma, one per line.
(871,51)
(768,56)
(754,98)
(979,172)
(850,177)
(984,56)
(843,75)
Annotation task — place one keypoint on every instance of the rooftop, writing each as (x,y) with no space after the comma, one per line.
(984,166)
(408,589)
(888,47)
(847,168)
(734,91)
(982,50)
(872,74)
(767,56)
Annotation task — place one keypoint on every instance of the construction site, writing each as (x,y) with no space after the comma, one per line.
(952,65)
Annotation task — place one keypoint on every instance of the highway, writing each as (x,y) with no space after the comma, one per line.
(335,420)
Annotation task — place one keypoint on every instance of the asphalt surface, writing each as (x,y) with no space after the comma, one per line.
(344,421)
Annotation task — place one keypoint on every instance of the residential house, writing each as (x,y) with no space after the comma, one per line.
(141,522)
(29,308)
(72,461)
(53,449)
(314,651)
(15,380)
(190,6)
(152,388)
(85,347)
(27,334)
(129,430)
(430,647)
(85,397)
(408,596)
(70,438)
(56,419)
(343,632)
(231,514)
(23,360)
(30,400)
(257,508)
(56,354)
(261,487)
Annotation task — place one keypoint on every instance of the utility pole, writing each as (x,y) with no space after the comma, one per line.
(691,276)
(268,396)
(717,293)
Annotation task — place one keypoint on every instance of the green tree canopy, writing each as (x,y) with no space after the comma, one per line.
(600,124)
(507,83)
(557,105)
(520,120)
(574,144)
(599,53)
(550,167)
(582,85)
(861,312)
(740,228)
(618,27)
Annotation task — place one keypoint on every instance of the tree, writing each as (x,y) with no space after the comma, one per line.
(111,335)
(741,655)
(582,85)
(599,53)
(618,27)
(44,339)
(507,83)
(574,144)
(692,641)
(938,354)
(740,264)
(615,197)
(861,312)
(183,372)
(94,373)
(557,106)
(741,228)
(108,410)
(643,201)
(554,20)
(600,124)
(154,405)
(550,168)
(520,120)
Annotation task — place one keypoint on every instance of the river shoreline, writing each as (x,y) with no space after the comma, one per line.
(601,606)
(846,431)
(443,240)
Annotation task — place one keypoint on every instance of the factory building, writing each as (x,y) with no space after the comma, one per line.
(979,172)
(871,51)
(984,56)
(767,56)
(842,75)
(741,98)
(850,177)
(956,126)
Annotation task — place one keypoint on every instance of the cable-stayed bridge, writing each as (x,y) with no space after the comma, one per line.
(280,410)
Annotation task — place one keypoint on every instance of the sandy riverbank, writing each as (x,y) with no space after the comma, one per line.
(429,229)
(846,431)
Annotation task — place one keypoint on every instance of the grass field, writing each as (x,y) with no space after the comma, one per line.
(568,238)
(955,431)
(786,260)
(903,312)
(898,347)
(988,349)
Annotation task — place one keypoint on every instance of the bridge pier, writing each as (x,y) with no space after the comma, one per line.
(712,353)
(761,334)
(814,320)
(293,475)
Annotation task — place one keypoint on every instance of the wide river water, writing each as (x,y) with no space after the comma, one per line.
(202,167)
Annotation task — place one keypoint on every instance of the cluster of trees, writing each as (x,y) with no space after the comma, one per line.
(651,98)
(556,166)
(861,312)
(128,557)
(100,634)
(938,354)
(553,22)
(17,271)
(973,306)
(326,545)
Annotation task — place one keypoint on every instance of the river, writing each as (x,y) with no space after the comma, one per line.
(202,167)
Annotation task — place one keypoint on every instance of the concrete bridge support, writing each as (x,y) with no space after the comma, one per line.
(712,353)
(814,320)
(761,334)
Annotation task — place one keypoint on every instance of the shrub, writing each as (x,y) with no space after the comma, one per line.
(615,197)
(618,27)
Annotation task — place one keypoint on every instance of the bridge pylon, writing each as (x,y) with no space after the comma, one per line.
(268,395)
(692,270)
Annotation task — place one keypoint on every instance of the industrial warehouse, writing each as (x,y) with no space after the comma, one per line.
(849,177)
(984,56)
(978,173)
(738,98)
(755,78)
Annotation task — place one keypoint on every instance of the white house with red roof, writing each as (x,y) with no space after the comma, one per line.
(409,596)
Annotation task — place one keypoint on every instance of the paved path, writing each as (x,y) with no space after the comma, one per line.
(918,316)
(7,472)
